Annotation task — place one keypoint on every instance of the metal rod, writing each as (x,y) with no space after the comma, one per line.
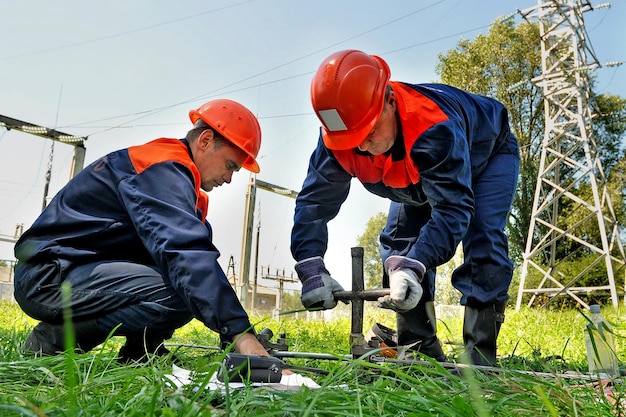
(275,353)
(358,286)
(191,345)
(310,355)
(367,295)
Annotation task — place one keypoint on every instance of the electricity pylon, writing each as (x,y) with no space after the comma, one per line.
(572,215)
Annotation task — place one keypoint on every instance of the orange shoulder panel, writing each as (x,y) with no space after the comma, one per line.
(163,150)
(159,150)
(418,112)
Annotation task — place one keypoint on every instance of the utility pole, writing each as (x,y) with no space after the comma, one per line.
(246,243)
(256,265)
(48,178)
(281,278)
(230,271)
(77,141)
(79,155)
(572,215)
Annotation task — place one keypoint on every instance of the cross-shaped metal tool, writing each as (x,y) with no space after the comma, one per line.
(357,296)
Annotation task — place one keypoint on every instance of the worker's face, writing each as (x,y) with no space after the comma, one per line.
(216,163)
(382,137)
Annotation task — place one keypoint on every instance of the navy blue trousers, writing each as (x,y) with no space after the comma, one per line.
(130,295)
(485,275)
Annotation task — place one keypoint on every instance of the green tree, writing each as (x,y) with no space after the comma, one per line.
(501,64)
(445,293)
(490,65)
(609,130)
(369,240)
(291,301)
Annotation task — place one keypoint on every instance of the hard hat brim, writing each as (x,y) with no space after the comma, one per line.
(251,165)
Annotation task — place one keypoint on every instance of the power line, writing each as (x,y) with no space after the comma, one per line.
(117,35)
(147,113)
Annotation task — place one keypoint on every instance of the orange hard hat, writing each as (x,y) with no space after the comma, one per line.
(235,123)
(347,93)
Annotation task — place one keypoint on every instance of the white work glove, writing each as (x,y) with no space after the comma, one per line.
(317,284)
(405,284)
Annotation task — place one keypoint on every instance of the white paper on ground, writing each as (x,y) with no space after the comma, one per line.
(181,377)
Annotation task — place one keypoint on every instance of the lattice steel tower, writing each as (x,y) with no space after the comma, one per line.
(572,213)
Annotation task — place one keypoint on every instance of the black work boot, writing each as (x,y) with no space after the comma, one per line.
(45,340)
(417,331)
(139,347)
(481,326)
(49,339)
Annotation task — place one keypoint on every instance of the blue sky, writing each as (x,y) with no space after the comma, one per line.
(126,72)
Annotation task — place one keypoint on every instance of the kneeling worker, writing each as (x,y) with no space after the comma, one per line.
(129,234)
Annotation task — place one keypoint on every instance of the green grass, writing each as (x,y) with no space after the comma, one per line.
(94,384)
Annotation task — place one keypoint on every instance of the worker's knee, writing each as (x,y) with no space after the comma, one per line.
(37,290)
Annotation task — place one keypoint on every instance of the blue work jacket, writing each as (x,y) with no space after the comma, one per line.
(446,138)
(143,205)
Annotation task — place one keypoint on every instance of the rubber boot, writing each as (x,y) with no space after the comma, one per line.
(417,331)
(481,326)
(139,347)
(49,339)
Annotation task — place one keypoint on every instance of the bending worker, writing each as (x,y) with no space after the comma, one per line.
(449,164)
(129,234)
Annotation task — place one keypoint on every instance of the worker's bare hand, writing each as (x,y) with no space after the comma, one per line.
(248,344)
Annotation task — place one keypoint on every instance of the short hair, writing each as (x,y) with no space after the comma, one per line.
(199,127)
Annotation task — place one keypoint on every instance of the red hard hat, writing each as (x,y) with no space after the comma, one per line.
(347,93)
(234,122)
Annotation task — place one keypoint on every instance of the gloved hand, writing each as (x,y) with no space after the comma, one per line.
(317,285)
(405,283)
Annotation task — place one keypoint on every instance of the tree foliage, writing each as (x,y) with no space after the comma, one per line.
(490,65)
(501,64)
(445,293)
(609,129)
(369,240)
(291,301)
